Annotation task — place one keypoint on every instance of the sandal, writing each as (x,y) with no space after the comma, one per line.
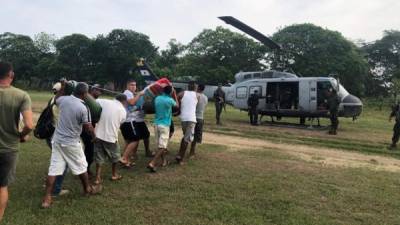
(118,177)
(126,165)
(95,189)
(46,204)
(165,163)
(178,159)
(151,168)
(97,182)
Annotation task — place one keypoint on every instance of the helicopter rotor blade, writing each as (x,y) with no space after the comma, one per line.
(250,31)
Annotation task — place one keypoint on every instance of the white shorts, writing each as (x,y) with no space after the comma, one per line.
(63,155)
(162,136)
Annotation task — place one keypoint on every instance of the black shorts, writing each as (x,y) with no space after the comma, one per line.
(134,131)
(8,164)
(198,131)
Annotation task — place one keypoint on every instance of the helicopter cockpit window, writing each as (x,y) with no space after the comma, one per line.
(268,74)
(322,89)
(247,76)
(257,75)
(252,89)
(241,92)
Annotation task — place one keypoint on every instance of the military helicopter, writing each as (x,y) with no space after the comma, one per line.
(284,94)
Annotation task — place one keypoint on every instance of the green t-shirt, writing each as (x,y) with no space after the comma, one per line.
(13,101)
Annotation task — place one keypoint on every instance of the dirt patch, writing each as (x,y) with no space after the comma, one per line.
(359,136)
(323,156)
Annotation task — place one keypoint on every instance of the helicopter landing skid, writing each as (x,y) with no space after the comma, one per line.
(294,125)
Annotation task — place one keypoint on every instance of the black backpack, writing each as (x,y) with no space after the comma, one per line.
(44,127)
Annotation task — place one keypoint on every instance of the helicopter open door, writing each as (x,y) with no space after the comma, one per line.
(282,96)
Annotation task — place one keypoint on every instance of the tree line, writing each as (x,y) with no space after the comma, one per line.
(213,56)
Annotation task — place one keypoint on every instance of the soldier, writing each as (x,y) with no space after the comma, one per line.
(219,98)
(333,106)
(396,128)
(252,103)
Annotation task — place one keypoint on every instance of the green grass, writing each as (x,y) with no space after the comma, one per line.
(371,133)
(248,186)
(219,187)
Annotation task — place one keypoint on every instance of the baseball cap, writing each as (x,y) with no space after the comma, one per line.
(56,86)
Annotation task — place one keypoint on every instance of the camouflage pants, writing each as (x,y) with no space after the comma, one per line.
(253,113)
(218,111)
(396,133)
(334,121)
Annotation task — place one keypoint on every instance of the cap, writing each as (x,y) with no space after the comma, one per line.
(56,86)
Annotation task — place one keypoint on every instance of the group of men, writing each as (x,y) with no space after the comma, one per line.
(126,113)
(73,123)
(192,104)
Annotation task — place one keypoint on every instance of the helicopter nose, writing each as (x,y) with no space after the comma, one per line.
(352,106)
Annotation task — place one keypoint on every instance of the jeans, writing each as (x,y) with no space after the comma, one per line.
(59,179)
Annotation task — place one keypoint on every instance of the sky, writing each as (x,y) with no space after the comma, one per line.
(163,20)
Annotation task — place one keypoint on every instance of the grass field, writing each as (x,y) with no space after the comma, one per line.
(245,175)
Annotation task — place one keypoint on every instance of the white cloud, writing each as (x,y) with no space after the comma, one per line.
(184,19)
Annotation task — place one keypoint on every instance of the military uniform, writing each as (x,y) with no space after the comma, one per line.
(219,97)
(396,128)
(333,106)
(252,103)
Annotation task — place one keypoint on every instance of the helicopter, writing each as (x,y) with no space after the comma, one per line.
(284,94)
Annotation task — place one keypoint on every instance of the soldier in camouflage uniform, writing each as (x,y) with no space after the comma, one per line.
(333,106)
(396,128)
(219,98)
(252,103)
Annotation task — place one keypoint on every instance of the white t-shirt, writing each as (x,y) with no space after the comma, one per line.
(188,106)
(133,112)
(113,114)
(201,106)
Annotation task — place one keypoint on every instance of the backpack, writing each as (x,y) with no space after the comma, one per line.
(44,127)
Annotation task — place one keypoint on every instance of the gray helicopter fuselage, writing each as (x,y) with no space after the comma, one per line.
(285,94)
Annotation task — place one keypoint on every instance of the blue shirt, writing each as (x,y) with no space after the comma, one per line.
(163,106)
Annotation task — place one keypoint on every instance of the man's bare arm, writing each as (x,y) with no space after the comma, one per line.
(27,117)
(133,101)
(176,97)
(89,129)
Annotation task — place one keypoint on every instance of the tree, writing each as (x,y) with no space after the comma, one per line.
(124,49)
(45,43)
(384,57)
(21,52)
(72,52)
(310,50)
(167,61)
(216,55)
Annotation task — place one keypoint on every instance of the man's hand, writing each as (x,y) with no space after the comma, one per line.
(23,138)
